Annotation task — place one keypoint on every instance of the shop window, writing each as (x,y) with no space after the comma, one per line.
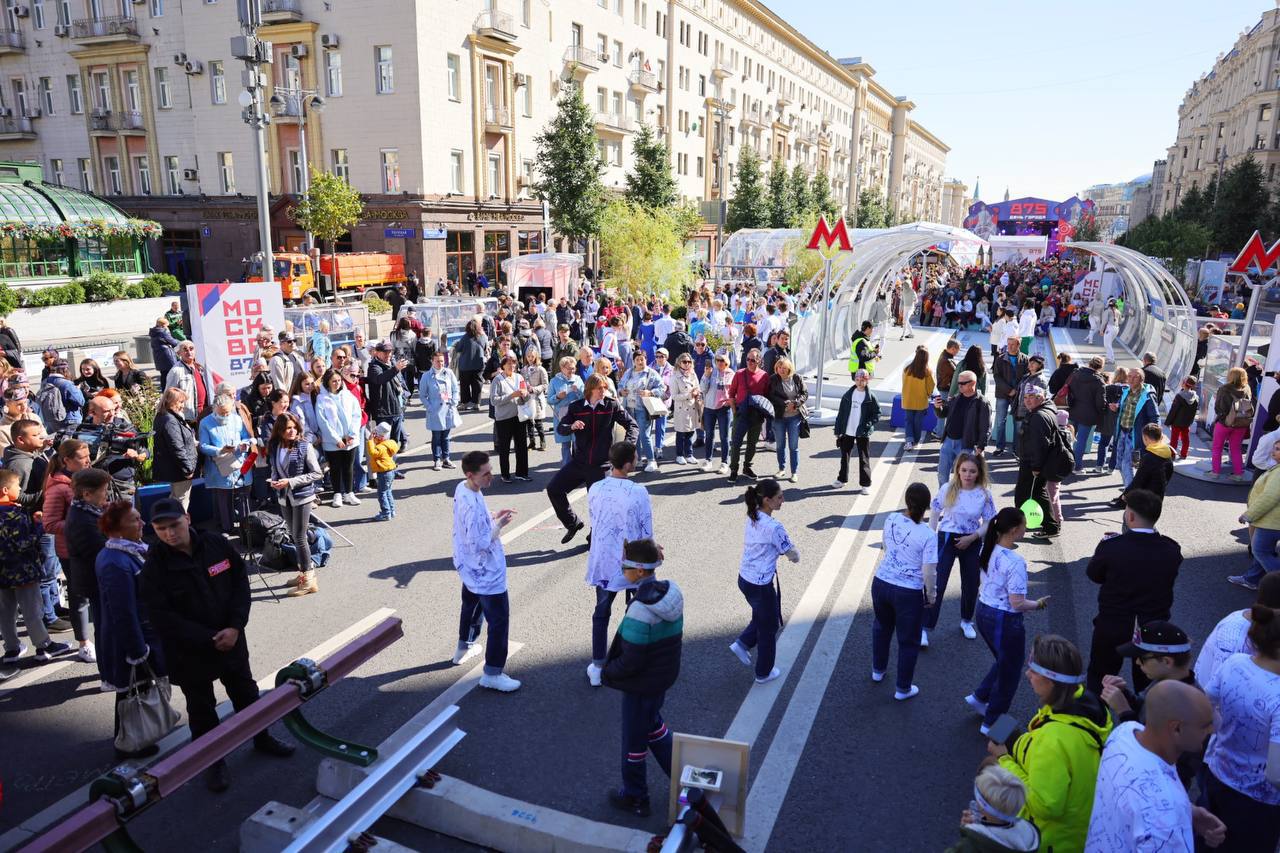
(497,248)
(21,258)
(529,242)
(460,256)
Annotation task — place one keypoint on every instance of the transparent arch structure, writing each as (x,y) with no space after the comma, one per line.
(878,255)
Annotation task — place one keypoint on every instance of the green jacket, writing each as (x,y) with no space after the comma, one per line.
(1057,759)
(1020,837)
(1263,509)
(870,413)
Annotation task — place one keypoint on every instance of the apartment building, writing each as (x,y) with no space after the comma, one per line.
(1231,112)
(431,110)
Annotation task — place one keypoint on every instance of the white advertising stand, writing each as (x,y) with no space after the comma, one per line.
(225,320)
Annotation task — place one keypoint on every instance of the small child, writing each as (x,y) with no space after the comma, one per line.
(1182,414)
(1155,465)
(20,572)
(991,823)
(382,450)
(1052,486)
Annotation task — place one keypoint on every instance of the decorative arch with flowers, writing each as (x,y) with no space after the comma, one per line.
(88,229)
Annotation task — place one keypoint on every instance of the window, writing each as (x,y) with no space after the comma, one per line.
(227,172)
(46,96)
(295,170)
(111,166)
(603,4)
(164,95)
(459,254)
(142,174)
(495,175)
(55,169)
(702,85)
(455,172)
(75,100)
(385,79)
(528,100)
(602,47)
(101,91)
(132,92)
(497,248)
(617,53)
(218,82)
(332,73)
(390,170)
(1264,112)
(526,13)
(455,76)
(37,14)
(64,12)
(173,175)
(157,8)
(602,99)
(699,162)
(526,170)
(341,166)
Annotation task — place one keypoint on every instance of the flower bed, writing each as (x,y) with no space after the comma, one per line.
(89,229)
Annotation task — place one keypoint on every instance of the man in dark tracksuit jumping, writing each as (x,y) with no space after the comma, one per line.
(590,421)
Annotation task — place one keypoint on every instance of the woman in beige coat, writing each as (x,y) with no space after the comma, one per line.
(686,398)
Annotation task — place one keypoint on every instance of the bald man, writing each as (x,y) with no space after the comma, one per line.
(1139,802)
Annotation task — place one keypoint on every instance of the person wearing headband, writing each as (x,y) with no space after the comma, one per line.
(1057,758)
(643,663)
(991,822)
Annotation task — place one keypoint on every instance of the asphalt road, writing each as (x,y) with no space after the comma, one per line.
(852,769)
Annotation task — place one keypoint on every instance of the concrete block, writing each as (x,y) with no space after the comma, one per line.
(275,825)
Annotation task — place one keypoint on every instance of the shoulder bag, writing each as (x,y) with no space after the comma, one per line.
(145,714)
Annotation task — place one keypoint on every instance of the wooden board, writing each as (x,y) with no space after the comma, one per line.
(731,757)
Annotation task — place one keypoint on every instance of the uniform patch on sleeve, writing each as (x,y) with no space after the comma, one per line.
(218,568)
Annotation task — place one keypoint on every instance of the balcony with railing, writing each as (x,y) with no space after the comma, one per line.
(614,123)
(14,128)
(721,69)
(131,120)
(104,30)
(100,120)
(497,119)
(643,81)
(19,266)
(11,41)
(281,11)
(583,58)
(496,24)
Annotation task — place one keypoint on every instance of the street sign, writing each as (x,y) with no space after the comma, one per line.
(1255,253)
(399,232)
(434,233)
(822,233)
(205,231)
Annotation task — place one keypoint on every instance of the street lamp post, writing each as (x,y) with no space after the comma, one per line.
(722,114)
(255,55)
(308,102)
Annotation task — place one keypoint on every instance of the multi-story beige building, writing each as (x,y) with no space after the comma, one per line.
(1228,114)
(431,110)
(955,203)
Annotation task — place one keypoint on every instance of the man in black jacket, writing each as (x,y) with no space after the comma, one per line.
(967,423)
(678,342)
(1086,400)
(196,592)
(1135,572)
(1154,376)
(590,421)
(385,390)
(1038,434)
(644,663)
(1009,369)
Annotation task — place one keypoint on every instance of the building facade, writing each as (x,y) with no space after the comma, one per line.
(430,112)
(1230,113)
(955,203)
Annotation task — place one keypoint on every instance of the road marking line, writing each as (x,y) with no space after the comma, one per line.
(574,496)
(772,780)
(36,673)
(41,821)
(426,445)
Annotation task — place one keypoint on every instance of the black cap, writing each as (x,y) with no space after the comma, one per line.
(1156,638)
(166,508)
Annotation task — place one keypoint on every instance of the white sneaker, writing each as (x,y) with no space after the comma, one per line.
(900,696)
(351,499)
(795,476)
(709,468)
(593,674)
(977,706)
(910,447)
(877,676)
(838,485)
(465,654)
(966,628)
(724,468)
(776,673)
(741,653)
(86,654)
(336,503)
(435,466)
(863,490)
(680,460)
(781,475)
(652,467)
(924,639)
(366,490)
(501,682)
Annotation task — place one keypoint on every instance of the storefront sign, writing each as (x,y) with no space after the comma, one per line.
(225,325)
(434,233)
(241,213)
(385,214)
(495,216)
(404,233)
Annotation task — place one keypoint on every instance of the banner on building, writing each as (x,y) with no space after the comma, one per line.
(225,320)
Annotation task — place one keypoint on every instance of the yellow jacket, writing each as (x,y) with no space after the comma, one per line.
(915,392)
(1263,509)
(382,455)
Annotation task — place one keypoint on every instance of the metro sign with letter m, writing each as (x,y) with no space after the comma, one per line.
(823,233)
(1255,253)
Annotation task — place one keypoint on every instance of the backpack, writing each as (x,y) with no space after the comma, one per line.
(1061,461)
(53,409)
(1241,412)
(267,532)
(319,541)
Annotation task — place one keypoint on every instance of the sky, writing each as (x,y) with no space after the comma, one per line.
(1044,99)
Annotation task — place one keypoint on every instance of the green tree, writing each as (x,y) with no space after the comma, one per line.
(820,195)
(1087,230)
(1240,205)
(1195,203)
(650,182)
(1169,236)
(801,200)
(642,249)
(748,207)
(687,218)
(569,167)
(329,208)
(781,208)
(872,211)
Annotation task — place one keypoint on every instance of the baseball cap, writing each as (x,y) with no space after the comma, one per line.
(1036,357)
(1159,637)
(662,350)
(166,508)
(384,346)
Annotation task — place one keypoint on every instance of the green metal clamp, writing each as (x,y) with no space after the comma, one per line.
(310,679)
(127,789)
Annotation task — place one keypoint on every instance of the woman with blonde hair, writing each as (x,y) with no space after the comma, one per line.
(128,376)
(961,511)
(788,394)
(1233,411)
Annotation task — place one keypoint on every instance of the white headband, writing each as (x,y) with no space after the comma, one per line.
(1054,676)
(634,564)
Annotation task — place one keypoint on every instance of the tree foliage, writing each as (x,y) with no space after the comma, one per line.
(1237,210)
(801,200)
(748,207)
(872,210)
(643,249)
(650,181)
(782,210)
(568,167)
(821,201)
(330,207)
(1087,230)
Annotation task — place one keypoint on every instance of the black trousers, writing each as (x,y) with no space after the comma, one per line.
(1036,488)
(232,669)
(862,444)
(469,380)
(505,432)
(1110,631)
(565,481)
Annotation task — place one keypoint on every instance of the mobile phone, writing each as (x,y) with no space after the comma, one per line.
(1003,730)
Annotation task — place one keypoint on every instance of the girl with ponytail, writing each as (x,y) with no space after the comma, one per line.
(765,541)
(902,588)
(1002,599)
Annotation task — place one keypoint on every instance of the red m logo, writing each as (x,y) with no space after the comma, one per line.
(1255,253)
(822,233)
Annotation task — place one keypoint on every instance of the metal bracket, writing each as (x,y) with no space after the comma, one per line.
(127,788)
(311,679)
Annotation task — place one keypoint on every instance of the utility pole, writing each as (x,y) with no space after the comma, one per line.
(722,115)
(305,102)
(255,54)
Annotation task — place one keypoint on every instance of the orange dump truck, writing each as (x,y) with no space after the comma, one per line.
(356,273)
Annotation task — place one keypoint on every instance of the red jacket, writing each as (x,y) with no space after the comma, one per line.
(748,384)
(57,499)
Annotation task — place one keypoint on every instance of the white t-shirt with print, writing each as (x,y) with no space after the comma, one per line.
(1228,637)
(1247,699)
(763,543)
(971,509)
(1139,802)
(1006,575)
(908,546)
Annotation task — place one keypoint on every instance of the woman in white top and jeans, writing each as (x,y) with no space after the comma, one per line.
(962,509)
(903,585)
(766,540)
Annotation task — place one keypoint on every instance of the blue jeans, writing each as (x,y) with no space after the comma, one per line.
(940,428)
(1124,455)
(1084,435)
(600,621)
(1104,441)
(386,500)
(951,450)
(659,435)
(684,445)
(644,449)
(439,445)
(1264,553)
(50,568)
(766,616)
(999,425)
(397,430)
(475,610)
(643,731)
(898,610)
(361,474)
(787,432)
(566,451)
(1007,638)
(948,553)
(713,419)
(914,424)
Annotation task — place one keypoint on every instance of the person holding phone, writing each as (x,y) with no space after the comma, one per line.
(904,585)
(1002,599)
(961,513)
(766,540)
(294,473)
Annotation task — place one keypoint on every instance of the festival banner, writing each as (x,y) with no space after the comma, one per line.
(225,319)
